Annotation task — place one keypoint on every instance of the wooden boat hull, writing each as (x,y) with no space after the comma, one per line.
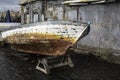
(45,47)
(44,39)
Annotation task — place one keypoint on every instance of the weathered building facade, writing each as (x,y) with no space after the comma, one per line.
(41,10)
(105,29)
(104,37)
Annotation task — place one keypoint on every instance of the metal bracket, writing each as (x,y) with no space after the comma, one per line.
(45,64)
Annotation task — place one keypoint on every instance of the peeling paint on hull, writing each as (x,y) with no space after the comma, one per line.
(47,47)
(45,39)
(44,44)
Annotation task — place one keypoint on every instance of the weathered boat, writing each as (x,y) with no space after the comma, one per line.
(46,38)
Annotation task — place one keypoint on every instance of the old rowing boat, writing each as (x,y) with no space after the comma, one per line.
(46,38)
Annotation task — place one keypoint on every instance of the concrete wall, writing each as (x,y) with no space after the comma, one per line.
(105,27)
(104,36)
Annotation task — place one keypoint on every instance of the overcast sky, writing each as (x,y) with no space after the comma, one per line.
(9,5)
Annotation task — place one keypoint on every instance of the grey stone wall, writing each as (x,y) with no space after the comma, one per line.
(105,27)
(104,37)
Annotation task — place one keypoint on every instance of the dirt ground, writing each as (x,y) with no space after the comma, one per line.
(21,66)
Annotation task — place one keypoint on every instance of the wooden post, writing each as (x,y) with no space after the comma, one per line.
(30,13)
(39,11)
(22,14)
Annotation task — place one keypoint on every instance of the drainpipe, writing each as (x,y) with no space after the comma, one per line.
(63,12)
(45,10)
(78,13)
(29,12)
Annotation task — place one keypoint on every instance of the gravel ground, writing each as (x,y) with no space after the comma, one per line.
(21,66)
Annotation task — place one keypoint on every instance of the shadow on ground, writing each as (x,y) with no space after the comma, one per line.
(21,66)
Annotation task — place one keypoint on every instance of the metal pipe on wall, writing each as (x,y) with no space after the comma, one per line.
(45,18)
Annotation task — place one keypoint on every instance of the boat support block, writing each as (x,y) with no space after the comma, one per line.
(45,64)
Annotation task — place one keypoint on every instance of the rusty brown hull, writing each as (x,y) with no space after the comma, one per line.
(47,39)
(52,47)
